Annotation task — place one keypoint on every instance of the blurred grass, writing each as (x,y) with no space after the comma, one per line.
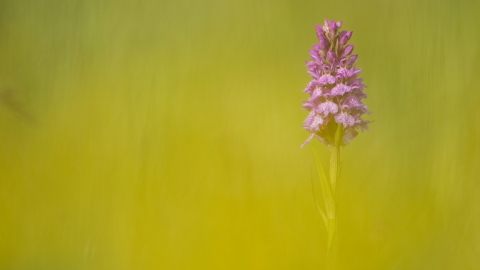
(165,135)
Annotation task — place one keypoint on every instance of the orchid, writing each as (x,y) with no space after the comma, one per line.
(335,111)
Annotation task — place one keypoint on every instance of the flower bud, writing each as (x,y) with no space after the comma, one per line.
(348,50)
(344,39)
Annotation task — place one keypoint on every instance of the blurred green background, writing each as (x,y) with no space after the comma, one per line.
(166,135)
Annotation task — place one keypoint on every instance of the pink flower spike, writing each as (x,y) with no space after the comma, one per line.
(335,91)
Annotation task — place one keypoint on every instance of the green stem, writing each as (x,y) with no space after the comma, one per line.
(334,164)
(334,174)
(335,159)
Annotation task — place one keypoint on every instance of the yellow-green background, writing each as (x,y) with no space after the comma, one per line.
(166,135)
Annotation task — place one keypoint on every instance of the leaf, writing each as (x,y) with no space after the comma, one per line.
(326,190)
(319,209)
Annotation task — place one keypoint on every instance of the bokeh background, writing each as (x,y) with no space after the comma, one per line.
(166,135)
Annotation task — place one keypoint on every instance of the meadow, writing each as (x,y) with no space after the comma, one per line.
(166,135)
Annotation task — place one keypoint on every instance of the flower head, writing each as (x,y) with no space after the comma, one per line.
(335,91)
